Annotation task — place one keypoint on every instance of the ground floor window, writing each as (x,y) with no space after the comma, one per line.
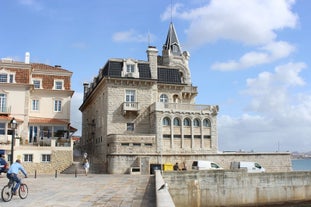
(28,157)
(46,158)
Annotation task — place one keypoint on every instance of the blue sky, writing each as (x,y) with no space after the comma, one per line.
(250,57)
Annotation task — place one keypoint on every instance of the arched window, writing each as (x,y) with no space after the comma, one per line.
(187,122)
(163,98)
(206,123)
(166,121)
(176,122)
(196,122)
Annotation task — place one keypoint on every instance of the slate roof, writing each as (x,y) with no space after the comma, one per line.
(113,68)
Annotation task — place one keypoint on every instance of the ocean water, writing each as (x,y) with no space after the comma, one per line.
(301,165)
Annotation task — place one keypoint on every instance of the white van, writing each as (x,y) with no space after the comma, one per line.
(205,165)
(250,166)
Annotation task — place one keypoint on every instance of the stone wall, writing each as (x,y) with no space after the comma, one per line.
(60,160)
(237,187)
(122,162)
(272,162)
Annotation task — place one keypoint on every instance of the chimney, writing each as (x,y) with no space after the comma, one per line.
(27,58)
(152,54)
(86,88)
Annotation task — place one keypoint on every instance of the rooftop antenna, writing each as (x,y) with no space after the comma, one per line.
(171,10)
(148,38)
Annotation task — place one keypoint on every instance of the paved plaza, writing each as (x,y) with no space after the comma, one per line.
(102,190)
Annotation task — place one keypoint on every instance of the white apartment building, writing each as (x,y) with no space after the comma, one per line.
(137,115)
(38,96)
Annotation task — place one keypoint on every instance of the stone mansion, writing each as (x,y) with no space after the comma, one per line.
(139,114)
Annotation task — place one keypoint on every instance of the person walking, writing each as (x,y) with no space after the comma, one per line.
(86,166)
(13,172)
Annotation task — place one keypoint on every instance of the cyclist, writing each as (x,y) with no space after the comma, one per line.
(13,172)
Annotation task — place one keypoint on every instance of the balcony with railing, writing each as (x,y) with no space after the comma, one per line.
(130,107)
(179,107)
(5,110)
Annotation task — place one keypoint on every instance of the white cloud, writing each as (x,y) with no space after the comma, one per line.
(33,4)
(266,54)
(274,116)
(251,22)
(132,36)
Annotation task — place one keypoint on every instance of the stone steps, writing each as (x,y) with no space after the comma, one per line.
(76,167)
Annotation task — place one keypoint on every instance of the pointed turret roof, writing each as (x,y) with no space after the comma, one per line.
(172,42)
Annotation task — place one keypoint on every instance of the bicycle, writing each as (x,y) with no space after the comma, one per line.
(7,191)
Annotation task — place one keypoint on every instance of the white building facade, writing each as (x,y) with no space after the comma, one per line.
(38,97)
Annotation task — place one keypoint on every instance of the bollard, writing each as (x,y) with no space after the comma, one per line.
(55,173)
(35,174)
(76,172)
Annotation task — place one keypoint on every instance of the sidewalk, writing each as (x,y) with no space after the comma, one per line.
(101,190)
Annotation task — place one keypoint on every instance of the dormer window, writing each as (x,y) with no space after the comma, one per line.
(58,85)
(6,78)
(130,68)
(36,83)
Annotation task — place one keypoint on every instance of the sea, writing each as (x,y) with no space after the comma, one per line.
(301,165)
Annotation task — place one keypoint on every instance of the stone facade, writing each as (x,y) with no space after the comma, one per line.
(141,114)
(143,110)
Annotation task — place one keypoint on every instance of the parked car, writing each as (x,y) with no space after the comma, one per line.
(249,166)
(205,165)
(4,167)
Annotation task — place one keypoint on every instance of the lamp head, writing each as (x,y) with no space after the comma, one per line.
(13,123)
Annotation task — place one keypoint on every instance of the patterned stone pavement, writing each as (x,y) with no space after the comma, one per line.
(100,190)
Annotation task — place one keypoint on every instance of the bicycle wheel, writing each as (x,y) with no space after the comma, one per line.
(6,193)
(23,191)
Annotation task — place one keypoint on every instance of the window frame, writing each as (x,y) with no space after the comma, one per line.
(166,121)
(56,85)
(28,157)
(130,95)
(35,104)
(130,68)
(187,122)
(7,77)
(163,98)
(196,122)
(2,128)
(57,106)
(130,127)
(35,83)
(176,121)
(207,123)
(46,158)
(3,102)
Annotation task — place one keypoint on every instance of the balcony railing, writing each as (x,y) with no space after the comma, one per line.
(130,106)
(178,107)
(5,110)
(190,89)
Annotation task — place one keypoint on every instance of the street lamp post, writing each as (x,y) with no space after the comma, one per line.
(13,127)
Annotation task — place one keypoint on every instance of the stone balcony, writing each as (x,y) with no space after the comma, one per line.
(183,108)
(130,107)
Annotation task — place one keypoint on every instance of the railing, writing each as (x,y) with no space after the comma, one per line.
(190,89)
(5,110)
(130,106)
(159,106)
